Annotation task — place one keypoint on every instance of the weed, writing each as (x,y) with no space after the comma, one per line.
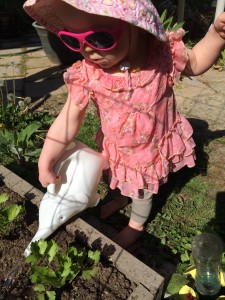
(21,130)
(18,145)
(16,111)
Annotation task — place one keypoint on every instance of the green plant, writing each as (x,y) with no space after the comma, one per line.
(52,270)
(185,280)
(16,111)
(168,23)
(8,214)
(19,146)
(179,220)
(220,64)
(88,130)
(21,129)
(13,113)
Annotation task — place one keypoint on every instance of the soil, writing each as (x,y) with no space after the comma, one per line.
(14,274)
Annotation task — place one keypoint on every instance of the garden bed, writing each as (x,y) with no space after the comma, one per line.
(120,275)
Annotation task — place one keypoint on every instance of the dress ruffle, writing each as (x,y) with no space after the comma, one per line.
(175,150)
(178,52)
(76,80)
(142,135)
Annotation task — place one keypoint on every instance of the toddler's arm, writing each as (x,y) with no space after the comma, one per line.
(60,135)
(206,51)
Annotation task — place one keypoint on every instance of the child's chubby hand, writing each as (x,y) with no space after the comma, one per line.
(47,176)
(219,26)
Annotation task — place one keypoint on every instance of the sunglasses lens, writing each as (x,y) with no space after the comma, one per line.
(72,42)
(101,40)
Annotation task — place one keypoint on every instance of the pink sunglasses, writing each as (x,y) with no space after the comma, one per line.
(99,39)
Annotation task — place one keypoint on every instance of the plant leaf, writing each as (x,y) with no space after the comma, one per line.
(89,272)
(4,197)
(41,297)
(51,295)
(44,275)
(42,244)
(185,257)
(12,211)
(176,283)
(94,256)
(39,288)
(26,133)
(35,153)
(52,250)
(35,253)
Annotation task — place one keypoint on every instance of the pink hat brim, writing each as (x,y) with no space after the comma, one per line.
(140,13)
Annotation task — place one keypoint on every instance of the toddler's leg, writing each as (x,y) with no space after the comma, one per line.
(114,205)
(140,212)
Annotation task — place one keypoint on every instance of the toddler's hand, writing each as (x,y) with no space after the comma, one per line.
(48,176)
(219,26)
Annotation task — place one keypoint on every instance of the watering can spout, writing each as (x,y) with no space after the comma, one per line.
(80,169)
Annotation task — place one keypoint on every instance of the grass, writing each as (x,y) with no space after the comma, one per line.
(88,130)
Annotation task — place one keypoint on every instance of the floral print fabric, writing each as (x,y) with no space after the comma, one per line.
(142,134)
(141,13)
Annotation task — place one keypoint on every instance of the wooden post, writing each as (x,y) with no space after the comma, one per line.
(180,11)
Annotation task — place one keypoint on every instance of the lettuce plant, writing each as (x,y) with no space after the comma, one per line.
(51,270)
(8,214)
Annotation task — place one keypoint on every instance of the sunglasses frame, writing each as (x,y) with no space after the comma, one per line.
(116,33)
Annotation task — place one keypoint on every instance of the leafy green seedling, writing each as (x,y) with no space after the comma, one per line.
(8,214)
(168,22)
(51,270)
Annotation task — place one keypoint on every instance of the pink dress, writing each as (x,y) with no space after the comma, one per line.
(144,137)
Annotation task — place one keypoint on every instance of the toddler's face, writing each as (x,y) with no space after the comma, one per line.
(77,21)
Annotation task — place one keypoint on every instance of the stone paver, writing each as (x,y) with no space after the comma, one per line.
(203,98)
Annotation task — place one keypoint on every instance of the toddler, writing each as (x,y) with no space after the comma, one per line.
(129,69)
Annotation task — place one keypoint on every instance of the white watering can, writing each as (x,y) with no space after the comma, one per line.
(80,169)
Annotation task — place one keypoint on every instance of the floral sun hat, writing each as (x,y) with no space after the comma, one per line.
(140,13)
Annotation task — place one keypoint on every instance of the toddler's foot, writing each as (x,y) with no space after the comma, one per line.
(112,206)
(128,236)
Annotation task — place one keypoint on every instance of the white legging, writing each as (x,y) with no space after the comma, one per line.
(141,207)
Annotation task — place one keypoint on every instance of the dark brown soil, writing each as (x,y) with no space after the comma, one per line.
(14,272)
